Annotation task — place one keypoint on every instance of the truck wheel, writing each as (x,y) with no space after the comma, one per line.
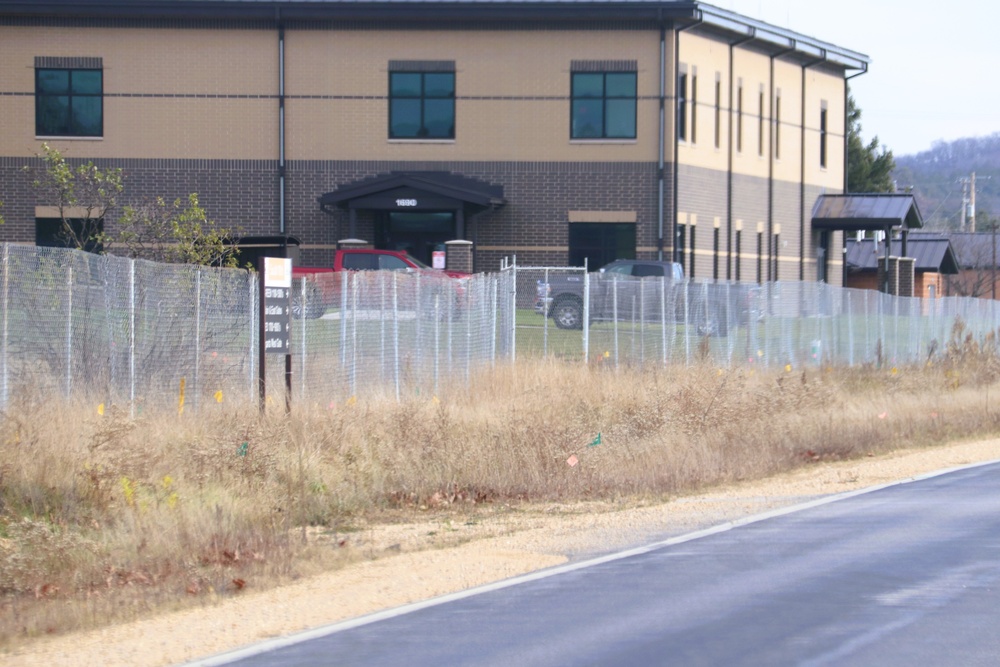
(568,314)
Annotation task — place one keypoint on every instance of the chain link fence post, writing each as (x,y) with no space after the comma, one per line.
(586,313)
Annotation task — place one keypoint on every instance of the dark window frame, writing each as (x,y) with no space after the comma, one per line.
(739,253)
(51,233)
(760,124)
(423,133)
(602,242)
(777,125)
(760,257)
(680,244)
(739,118)
(718,112)
(605,99)
(822,137)
(776,257)
(682,84)
(694,107)
(68,128)
(715,252)
(692,250)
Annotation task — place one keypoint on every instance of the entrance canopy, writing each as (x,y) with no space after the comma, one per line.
(415,191)
(866,212)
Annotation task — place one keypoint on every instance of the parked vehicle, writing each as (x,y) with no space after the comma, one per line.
(617,292)
(561,298)
(325,290)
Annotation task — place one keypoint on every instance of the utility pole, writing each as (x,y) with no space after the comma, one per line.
(967,216)
(968,210)
(972,203)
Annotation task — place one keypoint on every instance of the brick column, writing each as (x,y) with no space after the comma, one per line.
(905,276)
(458,256)
(892,285)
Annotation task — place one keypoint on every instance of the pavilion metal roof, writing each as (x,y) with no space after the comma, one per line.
(868,212)
(932,253)
(974,250)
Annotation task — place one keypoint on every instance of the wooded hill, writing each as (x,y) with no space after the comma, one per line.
(936,178)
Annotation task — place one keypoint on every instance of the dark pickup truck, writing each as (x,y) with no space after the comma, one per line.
(617,292)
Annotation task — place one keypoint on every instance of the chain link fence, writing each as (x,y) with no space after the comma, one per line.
(396,332)
(622,320)
(118,331)
(149,336)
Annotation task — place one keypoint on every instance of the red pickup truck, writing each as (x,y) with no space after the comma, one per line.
(326,292)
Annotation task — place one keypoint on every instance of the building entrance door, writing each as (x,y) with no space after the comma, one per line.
(418,233)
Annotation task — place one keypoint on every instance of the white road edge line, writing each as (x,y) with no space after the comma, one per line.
(333,628)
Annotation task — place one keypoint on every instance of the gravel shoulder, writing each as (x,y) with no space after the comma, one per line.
(404,563)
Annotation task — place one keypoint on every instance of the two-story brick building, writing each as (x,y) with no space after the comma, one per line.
(555,131)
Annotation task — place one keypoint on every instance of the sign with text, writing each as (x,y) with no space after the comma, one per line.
(277,312)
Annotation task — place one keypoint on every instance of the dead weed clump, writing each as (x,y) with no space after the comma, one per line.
(104,517)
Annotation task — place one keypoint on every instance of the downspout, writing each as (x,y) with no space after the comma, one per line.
(662,132)
(675,176)
(732,147)
(802,170)
(843,241)
(772,261)
(281,122)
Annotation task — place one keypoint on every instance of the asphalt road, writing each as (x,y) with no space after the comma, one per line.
(908,574)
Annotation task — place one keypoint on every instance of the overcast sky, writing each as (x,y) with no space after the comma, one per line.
(934,65)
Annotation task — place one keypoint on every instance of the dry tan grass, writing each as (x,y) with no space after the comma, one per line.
(105,518)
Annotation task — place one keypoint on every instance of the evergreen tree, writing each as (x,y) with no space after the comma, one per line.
(869,168)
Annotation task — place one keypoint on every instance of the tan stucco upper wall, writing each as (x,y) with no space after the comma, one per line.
(513,89)
(824,90)
(709,59)
(239,65)
(518,82)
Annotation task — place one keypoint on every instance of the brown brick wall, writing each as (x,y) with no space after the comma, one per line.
(533,224)
(236,193)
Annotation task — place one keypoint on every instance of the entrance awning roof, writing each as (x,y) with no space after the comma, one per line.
(469,193)
(866,212)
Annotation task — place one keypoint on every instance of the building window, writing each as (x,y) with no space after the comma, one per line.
(682,85)
(760,256)
(421,105)
(739,251)
(681,244)
(691,250)
(718,111)
(603,105)
(777,126)
(69,102)
(600,243)
(715,252)
(82,234)
(760,123)
(822,136)
(777,247)
(739,118)
(694,107)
